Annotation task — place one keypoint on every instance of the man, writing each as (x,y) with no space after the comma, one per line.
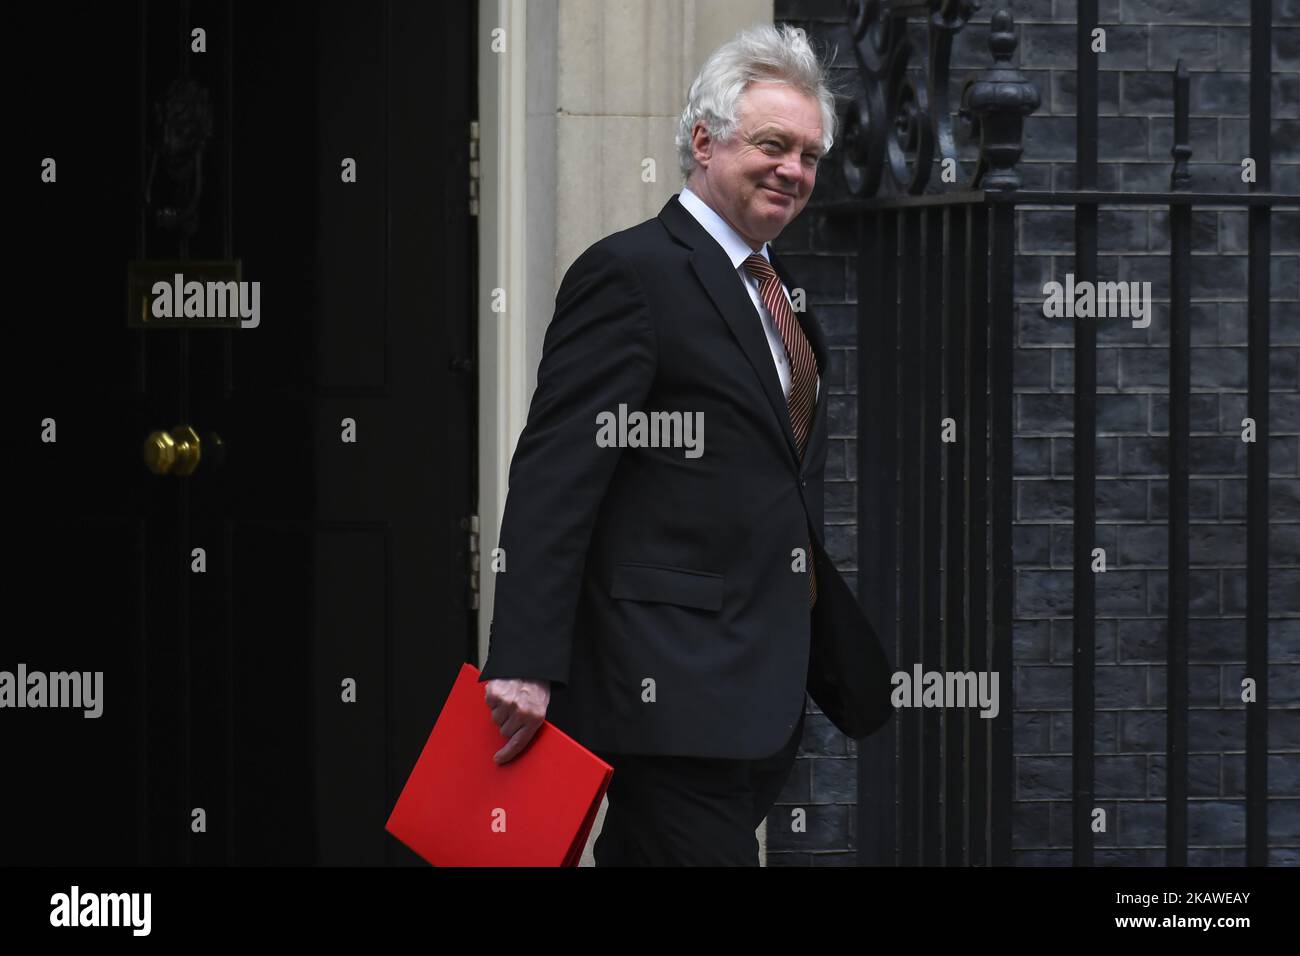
(667,598)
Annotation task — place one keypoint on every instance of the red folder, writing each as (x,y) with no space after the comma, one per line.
(461,808)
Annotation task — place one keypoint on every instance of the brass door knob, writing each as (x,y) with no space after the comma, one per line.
(172,453)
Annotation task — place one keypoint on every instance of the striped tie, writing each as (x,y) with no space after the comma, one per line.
(803,370)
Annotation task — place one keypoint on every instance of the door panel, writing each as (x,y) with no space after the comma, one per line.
(227,608)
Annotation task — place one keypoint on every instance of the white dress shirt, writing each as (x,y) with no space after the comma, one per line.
(738,250)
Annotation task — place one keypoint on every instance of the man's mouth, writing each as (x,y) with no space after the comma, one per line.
(778,192)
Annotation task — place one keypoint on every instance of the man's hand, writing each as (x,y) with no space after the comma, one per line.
(519,707)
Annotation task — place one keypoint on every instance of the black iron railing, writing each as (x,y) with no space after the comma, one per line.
(937,267)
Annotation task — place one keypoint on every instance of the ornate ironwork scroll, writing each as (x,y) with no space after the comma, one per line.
(902,122)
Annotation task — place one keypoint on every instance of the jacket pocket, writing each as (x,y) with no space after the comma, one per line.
(667,585)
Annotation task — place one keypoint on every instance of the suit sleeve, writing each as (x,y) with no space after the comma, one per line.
(599,351)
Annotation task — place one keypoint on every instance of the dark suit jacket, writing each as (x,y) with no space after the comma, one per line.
(655,591)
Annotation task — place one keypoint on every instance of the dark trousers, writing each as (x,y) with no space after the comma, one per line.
(690,811)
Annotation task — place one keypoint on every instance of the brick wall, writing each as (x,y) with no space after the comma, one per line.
(1144,40)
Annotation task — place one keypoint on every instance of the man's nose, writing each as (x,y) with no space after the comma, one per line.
(790,170)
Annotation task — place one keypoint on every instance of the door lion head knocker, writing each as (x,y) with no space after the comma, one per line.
(182,128)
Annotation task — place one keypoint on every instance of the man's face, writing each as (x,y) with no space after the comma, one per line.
(761,178)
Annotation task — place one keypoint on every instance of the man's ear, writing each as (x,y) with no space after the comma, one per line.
(701,142)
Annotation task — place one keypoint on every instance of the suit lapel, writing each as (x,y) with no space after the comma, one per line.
(727,290)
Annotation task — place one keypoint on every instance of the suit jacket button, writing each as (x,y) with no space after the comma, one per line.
(803,482)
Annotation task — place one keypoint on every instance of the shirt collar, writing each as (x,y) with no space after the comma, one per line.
(733,244)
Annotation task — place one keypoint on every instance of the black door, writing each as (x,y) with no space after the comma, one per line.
(276,629)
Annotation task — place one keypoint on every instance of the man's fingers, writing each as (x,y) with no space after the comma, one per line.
(516,744)
(512,724)
(518,719)
(510,750)
(501,713)
(506,753)
(518,713)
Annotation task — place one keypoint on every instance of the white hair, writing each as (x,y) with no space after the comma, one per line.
(763,54)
